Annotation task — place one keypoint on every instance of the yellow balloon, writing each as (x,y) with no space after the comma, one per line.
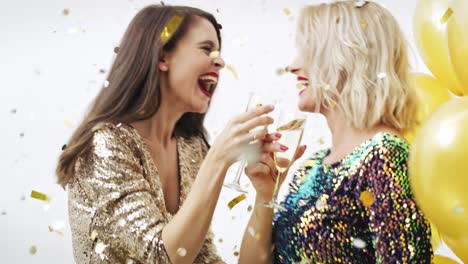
(458,41)
(438,168)
(431,39)
(458,246)
(438,259)
(431,93)
(435,237)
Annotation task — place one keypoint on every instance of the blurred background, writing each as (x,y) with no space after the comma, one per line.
(55,55)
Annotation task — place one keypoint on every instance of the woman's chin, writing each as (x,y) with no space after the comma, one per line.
(305,106)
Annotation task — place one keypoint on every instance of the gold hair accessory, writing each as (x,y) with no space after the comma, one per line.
(171,27)
(360,3)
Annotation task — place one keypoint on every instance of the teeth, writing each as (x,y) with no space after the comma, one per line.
(209,78)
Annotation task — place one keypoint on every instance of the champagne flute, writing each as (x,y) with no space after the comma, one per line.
(290,123)
(255,100)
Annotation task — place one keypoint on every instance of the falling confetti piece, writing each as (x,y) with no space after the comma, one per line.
(332,104)
(448,13)
(300,86)
(233,71)
(236,200)
(301,203)
(171,27)
(217,10)
(52,230)
(162,3)
(363,23)
(310,163)
(181,252)
(94,235)
(459,210)
(38,71)
(214,54)
(280,71)
(358,243)
(13,111)
(326,87)
(102,71)
(21,135)
(66,12)
(249,208)
(4,213)
(287,11)
(40,196)
(106,83)
(116,50)
(251,231)
(382,75)
(220,240)
(367,198)
(23,198)
(236,253)
(64,147)
(33,250)
(321,141)
(68,124)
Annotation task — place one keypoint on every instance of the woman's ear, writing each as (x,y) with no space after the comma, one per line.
(163,64)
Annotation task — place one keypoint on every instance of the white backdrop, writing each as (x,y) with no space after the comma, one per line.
(52,65)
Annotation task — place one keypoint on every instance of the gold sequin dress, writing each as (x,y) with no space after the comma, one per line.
(116,202)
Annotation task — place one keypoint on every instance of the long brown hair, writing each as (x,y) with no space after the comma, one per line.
(133,92)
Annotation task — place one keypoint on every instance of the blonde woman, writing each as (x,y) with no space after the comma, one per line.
(351,203)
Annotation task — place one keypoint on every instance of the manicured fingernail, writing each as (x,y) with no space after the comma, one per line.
(277,135)
(283,147)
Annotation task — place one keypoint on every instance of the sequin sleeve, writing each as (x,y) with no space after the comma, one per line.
(400,232)
(126,222)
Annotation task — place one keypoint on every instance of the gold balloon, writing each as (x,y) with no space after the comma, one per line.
(430,32)
(438,259)
(458,41)
(458,246)
(435,237)
(431,93)
(438,168)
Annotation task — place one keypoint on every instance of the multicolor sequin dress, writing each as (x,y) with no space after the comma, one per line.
(116,203)
(359,210)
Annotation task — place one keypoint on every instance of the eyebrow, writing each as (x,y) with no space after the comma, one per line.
(207,42)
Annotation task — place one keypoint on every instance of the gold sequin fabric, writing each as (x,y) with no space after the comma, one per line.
(116,204)
(358,210)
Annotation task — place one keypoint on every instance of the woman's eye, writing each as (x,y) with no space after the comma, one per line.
(207,49)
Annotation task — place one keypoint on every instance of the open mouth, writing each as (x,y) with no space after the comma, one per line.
(207,83)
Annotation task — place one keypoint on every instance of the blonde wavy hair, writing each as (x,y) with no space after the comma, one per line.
(357,60)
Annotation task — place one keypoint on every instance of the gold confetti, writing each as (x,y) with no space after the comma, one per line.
(367,198)
(40,196)
(332,104)
(287,11)
(94,235)
(51,229)
(236,253)
(310,163)
(171,27)
(33,250)
(300,86)
(68,124)
(280,71)
(233,71)
(214,54)
(181,252)
(321,141)
(249,208)
(258,105)
(66,12)
(448,13)
(236,200)
(220,240)
(326,87)
(102,71)
(363,23)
